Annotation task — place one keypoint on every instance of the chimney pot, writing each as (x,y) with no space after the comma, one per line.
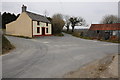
(24,8)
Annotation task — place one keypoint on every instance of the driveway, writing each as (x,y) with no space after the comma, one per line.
(52,57)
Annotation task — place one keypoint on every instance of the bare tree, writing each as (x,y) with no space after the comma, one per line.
(67,22)
(57,23)
(109,19)
(76,21)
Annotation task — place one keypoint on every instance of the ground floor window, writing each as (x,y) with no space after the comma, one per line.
(115,33)
(38,29)
(98,31)
(46,30)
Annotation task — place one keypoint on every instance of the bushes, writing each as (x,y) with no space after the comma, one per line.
(6,45)
(57,24)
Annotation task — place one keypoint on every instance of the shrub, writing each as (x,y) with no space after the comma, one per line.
(6,45)
(57,24)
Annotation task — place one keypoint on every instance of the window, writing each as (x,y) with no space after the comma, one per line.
(38,29)
(46,24)
(98,31)
(46,30)
(38,22)
(114,33)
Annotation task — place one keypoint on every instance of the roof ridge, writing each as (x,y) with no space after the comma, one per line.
(37,17)
(35,13)
(105,24)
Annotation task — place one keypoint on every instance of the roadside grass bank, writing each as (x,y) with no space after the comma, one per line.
(106,67)
(6,45)
(80,35)
(77,34)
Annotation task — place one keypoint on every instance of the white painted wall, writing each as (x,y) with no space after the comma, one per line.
(42,24)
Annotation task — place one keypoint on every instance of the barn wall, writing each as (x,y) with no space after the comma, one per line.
(103,34)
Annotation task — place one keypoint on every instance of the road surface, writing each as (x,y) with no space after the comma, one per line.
(52,57)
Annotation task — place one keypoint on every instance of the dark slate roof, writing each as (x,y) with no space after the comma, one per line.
(37,17)
(115,26)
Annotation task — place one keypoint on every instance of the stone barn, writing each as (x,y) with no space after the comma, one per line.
(104,31)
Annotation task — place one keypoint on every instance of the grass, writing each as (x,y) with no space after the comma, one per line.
(6,45)
(77,34)
(113,41)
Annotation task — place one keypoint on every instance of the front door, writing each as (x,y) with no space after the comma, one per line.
(43,31)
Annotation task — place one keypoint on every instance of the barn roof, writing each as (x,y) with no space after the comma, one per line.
(37,17)
(115,26)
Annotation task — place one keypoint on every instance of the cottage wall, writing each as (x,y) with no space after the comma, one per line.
(21,27)
(41,25)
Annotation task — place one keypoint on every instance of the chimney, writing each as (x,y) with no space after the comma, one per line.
(24,8)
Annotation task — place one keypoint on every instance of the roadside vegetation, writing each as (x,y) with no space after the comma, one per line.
(6,45)
(75,21)
(7,18)
(83,35)
(77,34)
(57,24)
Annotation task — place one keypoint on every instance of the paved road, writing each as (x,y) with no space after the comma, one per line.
(50,57)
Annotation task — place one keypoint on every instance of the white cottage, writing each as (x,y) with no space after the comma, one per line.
(29,24)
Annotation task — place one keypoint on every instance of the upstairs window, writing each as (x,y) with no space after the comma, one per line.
(46,24)
(46,30)
(38,22)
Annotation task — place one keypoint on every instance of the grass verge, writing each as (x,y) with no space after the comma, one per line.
(77,34)
(6,45)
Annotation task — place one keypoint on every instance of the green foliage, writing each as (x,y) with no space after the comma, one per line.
(76,21)
(6,45)
(77,34)
(7,18)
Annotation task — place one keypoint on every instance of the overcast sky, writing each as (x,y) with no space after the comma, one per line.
(92,12)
